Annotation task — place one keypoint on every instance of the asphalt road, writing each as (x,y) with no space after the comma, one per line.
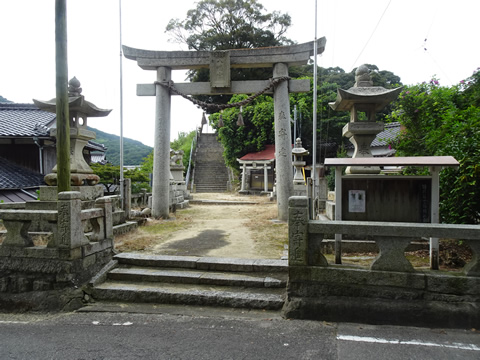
(189,333)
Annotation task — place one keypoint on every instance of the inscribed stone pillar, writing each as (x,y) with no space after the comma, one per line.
(283,141)
(298,231)
(161,154)
(70,233)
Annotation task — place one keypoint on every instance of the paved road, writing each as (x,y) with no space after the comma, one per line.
(196,333)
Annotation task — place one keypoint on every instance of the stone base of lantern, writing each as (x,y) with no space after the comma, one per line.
(75,179)
(361,135)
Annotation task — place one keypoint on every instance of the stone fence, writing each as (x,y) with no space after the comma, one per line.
(77,244)
(392,291)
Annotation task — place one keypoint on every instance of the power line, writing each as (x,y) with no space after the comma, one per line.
(373,32)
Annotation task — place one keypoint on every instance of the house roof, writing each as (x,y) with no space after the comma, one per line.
(13,176)
(390,132)
(22,195)
(24,120)
(267,154)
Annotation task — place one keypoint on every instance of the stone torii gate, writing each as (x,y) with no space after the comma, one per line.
(220,63)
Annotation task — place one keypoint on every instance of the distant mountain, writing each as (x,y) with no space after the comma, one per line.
(4,100)
(133,151)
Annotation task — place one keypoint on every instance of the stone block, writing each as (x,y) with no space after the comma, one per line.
(50,193)
(330,210)
(298,230)
(41,285)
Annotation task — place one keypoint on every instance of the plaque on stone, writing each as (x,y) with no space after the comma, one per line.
(220,69)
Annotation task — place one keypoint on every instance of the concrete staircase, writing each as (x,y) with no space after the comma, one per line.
(211,173)
(190,280)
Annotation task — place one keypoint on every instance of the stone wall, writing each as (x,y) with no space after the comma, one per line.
(391,291)
(78,245)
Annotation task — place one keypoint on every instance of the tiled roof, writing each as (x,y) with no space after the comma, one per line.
(267,154)
(16,177)
(27,120)
(8,196)
(390,132)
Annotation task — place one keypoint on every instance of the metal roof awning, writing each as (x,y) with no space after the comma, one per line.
(395,161)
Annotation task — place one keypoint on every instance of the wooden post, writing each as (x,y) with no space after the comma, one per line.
(63,119)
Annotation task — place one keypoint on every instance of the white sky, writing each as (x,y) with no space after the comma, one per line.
(355,30)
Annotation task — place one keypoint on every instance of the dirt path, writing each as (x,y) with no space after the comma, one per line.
(225,229)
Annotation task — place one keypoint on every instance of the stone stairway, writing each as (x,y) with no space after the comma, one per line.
(190,280)
(211,174)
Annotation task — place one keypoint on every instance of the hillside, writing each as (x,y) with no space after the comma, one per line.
(133,151)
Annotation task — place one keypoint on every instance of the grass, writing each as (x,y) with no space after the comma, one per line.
(154,232)
(270,237)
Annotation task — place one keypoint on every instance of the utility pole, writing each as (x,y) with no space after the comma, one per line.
(63,117)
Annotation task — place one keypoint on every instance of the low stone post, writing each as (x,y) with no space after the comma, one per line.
(69,233)
(106,204)
(298,231)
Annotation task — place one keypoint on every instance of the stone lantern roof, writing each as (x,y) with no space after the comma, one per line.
(76,102)
(363,96)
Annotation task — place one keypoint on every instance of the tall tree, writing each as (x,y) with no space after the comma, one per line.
(230,24)
(441,121)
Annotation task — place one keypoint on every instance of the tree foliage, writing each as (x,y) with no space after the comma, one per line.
(229,24)
(442,121)
(259,129)
(257,132)
(110,177)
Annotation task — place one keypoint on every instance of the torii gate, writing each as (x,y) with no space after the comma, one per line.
(220,63)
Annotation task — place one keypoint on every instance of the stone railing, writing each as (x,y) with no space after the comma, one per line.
(71,227)
(391,291)
(78,243)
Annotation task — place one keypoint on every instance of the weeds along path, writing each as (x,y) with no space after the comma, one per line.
(220,230)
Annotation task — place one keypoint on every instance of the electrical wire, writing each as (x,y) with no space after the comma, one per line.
(373,32)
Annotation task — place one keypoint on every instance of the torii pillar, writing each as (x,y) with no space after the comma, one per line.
(161,150)
(220,63)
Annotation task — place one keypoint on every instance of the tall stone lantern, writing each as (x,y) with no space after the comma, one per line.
(298,152)
(79,109)
(363,97)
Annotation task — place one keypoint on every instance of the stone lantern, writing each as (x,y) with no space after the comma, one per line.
(79,110)
(298,153)
(363,97)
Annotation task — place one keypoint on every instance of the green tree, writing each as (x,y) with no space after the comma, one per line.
(110,177)
(442,121)
(259,117)
(257,132)
(184,142)
(229,24)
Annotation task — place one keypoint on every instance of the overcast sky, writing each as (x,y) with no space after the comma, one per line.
(415,39)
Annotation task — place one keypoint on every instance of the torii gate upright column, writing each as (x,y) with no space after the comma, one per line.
(283,142)
(161,154)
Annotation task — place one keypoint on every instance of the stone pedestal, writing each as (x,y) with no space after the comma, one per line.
(361,135)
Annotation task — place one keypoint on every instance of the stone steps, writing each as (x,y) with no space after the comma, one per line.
(211,174)
(189,280)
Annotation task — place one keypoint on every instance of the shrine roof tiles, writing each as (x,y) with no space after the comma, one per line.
(267,154)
